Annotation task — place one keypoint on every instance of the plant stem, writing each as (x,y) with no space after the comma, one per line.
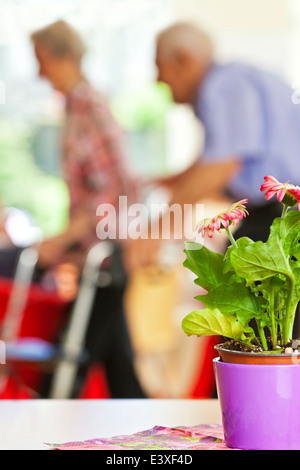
(287,322)
(284,210)
(262,336)
(273,320)
(233,242)
(281,316)
(291,324)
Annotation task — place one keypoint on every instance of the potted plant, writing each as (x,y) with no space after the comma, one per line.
(251,297)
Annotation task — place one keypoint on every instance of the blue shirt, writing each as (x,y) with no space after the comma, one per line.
(248,113)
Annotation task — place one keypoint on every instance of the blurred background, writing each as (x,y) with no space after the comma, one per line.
(161,138)
(120,35)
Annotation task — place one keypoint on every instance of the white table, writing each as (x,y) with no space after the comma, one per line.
(29,424)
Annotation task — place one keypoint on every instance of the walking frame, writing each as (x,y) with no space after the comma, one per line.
(65,359)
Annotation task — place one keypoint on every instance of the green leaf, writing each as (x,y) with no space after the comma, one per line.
(212,322)
(206,264)
(295,297)
(233,299)
(287,229)
(241,243)
(260,261)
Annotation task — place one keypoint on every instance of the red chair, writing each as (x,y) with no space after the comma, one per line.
(43,318)
(30,321)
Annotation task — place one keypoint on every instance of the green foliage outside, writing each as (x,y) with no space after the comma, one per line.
(145,109)
(23,185)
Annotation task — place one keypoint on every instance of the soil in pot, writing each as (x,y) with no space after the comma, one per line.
(235,352)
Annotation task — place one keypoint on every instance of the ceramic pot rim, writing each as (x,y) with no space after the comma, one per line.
(240,357)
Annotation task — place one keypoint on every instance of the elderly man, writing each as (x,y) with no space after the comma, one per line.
(251,129)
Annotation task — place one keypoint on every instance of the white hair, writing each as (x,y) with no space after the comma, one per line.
(185,36)
(61,40)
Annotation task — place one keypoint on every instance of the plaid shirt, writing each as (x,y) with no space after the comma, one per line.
(93,159)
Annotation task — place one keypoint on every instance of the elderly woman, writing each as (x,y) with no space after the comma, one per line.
(93,160)
(94,171)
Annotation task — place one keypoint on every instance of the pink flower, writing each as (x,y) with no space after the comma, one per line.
(287,193)
(230,217)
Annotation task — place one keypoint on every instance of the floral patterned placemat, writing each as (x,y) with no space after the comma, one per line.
(202,437)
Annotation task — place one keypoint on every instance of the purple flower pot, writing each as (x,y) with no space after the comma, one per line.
(260,405)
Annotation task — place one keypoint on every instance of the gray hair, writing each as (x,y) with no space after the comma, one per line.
(61,40)
(185,35)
